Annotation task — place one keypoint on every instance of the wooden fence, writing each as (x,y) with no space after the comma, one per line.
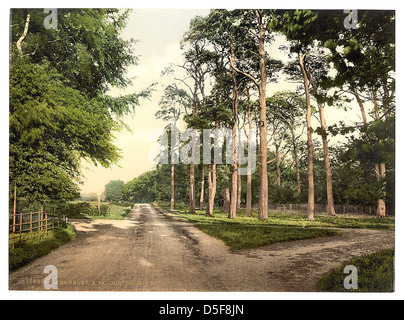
(24,223)
(322,208)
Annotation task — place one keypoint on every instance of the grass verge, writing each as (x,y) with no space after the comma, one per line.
(375,274)
(249,232)
(32,248)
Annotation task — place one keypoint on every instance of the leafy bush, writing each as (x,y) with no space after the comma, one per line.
(104,210)
(126,211)
(375,274)
(82,209)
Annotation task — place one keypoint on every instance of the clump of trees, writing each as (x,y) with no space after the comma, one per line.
(60,111)
(332,66)
(113,190)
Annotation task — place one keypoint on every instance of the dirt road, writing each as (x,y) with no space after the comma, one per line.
(150,251)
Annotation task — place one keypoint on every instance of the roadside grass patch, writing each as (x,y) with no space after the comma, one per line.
(247,236)
(117,212)
(375,274)
(294,219)
(32,248)
(249,232)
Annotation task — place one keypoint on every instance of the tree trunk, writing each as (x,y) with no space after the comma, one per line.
(202,189)
(172,186)
(195,111)
(330,196)
(238,192)
(226,203)
(296,158)
(381,205)
(361,106)
(248,204)
(380,170)
(192,187)
(234,177)
(233,198)
(211,189)
(24,34)
(212,178)
(310,172)
(214,187)
(381,167)
(208,210)
(263,154)
(278,164)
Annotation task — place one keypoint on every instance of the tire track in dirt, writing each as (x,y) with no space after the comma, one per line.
(152,250)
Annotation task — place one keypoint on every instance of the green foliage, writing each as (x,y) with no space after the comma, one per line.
(114,190)
(248,232)
(174,103)
(375,145)
(104,211)
(59,111)
(52,127)
(239,236)
(155,185)
(364,58)
(140,189)
(86,49)
(375,274)
(80,210)
(118,211)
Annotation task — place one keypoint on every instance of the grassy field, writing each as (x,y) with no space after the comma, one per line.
(249,232)
(32,248)
(375,274)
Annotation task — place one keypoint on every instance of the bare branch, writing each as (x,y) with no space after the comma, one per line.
(233,65)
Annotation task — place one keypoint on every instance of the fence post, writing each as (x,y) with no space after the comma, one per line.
(14,211)
(20,227)
(46,223)
(42,223)
(15,207)
(39,224)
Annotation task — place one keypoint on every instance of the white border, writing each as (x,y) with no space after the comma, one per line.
(5,294)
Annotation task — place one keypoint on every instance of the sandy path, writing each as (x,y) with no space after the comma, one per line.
(151,251)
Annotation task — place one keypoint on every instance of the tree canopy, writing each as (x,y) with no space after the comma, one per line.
(60,111)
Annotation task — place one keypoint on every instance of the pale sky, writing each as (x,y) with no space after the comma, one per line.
(159,32)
